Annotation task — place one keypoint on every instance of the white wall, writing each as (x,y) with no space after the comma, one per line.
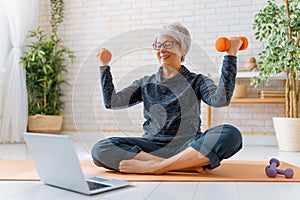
(127,28)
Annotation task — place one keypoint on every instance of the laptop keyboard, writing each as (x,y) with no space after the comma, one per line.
(96,186)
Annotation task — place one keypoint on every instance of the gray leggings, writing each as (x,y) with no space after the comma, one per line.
(217,143)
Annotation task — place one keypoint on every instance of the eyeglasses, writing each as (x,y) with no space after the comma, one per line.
(166,45)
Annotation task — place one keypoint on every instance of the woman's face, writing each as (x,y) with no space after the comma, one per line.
(168,51)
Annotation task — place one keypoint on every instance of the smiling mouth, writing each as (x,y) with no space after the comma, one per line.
(164,57)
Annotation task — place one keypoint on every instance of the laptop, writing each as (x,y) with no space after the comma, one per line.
(57,164)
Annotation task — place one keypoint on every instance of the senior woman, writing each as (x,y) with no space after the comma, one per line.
(172,139)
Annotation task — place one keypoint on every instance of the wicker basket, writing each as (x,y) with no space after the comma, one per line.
(45,123)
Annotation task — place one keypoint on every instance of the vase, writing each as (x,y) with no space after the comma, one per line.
(287,132)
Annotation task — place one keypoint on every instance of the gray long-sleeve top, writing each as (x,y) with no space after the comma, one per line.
(171,106)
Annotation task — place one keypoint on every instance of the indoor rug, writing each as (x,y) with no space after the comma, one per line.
(228,171)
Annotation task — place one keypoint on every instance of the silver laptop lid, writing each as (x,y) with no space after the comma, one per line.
(56,161)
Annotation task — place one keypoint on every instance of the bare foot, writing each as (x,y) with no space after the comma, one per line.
(200,170)
(187,159)
(140,166)
(149,167)
(143,156)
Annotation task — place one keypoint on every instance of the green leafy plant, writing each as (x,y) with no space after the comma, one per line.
(45,62)
(278,24)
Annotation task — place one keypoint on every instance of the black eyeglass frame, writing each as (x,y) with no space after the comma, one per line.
(157,45)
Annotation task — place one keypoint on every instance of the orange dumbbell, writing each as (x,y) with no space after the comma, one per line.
(223,43)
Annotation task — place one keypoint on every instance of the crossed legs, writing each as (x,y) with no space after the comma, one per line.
(207,149)
(130,155)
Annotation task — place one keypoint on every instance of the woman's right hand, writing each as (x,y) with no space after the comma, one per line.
(104,56)
(235,45)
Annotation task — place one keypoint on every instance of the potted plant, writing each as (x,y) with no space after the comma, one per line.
(278,24)
(45,62)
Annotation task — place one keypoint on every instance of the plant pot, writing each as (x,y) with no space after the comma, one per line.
(45,123)
(240,91)
(287,133)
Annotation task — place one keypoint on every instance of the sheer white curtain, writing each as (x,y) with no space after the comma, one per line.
(4,38)
(20,15)
(4,46)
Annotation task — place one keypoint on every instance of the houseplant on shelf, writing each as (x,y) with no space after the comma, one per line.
(45,62)
(278,25)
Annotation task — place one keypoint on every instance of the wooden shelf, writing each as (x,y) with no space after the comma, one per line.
(250,74)
(258,100)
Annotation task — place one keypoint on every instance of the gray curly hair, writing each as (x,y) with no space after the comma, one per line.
(180,33)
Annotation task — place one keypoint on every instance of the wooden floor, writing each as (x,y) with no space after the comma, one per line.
(12,190)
